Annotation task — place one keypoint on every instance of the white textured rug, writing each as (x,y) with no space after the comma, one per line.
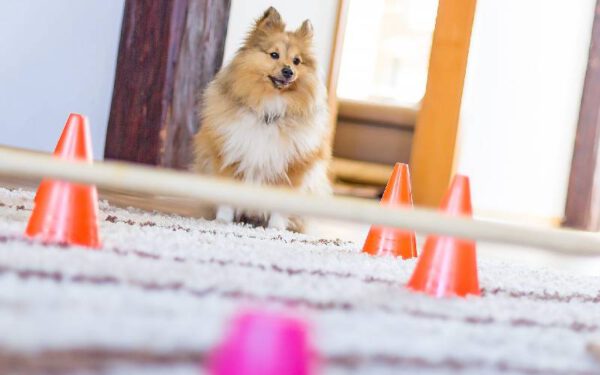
(158,295)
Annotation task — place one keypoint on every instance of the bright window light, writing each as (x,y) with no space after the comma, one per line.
(386,51)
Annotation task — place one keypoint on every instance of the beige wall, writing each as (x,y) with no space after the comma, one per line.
(322,14)
(520,106)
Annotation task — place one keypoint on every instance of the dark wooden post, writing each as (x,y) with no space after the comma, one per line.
(583,199)
(168,53)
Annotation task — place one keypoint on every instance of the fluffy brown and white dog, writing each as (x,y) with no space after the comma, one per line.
(265,119)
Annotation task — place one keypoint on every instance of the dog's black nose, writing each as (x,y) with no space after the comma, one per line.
(287,72)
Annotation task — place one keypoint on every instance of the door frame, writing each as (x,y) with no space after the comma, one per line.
(582,210)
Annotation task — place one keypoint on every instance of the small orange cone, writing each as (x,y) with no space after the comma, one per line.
(448,266)
(65,212)
(393,241)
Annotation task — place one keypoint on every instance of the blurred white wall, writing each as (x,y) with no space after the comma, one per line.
(322,14)
(58,57)
(520,106)
(360,49)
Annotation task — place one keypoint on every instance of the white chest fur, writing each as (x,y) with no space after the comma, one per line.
(263,144)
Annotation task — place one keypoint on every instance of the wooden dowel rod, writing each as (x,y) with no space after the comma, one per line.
(158,181)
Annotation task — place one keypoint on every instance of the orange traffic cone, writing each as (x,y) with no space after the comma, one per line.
(448,266)
(393,241)
(65,212)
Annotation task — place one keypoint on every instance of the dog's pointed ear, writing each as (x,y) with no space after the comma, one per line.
(305,30)
(270,20)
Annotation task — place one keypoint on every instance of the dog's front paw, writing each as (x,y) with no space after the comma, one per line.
(225,214)
(278,221)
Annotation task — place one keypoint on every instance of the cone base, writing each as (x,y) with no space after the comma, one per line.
(391,242)
(447,268)
(65,213)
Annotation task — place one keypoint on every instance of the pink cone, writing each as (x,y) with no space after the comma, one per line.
(260,343)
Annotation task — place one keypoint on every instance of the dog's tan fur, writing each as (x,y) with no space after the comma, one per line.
(259,127)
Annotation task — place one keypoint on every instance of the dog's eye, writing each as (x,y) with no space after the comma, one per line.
(275,55)
(297,61)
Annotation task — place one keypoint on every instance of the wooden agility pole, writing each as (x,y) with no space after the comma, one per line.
(158,181)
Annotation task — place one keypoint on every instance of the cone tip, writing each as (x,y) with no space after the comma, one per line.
(461,178)
(77,117)
(401,166)
(397,189)
(402,171)
(457,200)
